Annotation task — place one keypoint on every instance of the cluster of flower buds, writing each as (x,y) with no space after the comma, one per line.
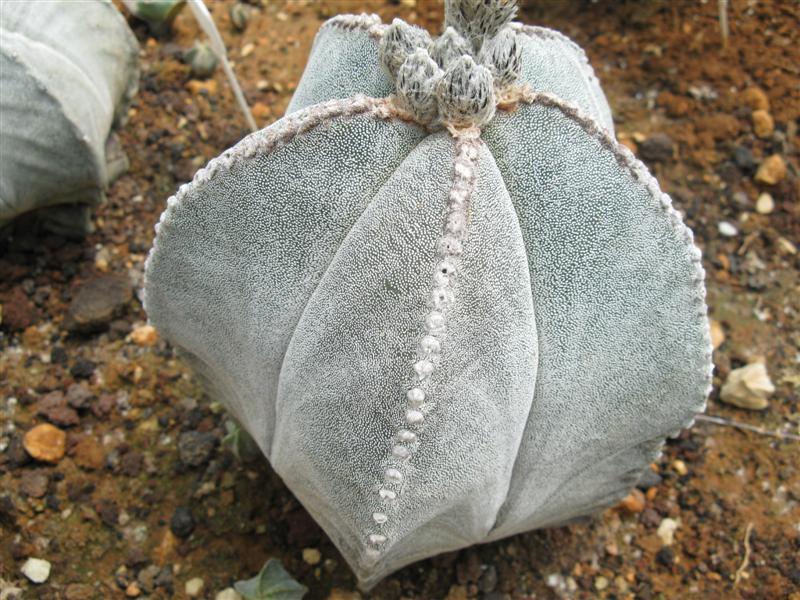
(456,78)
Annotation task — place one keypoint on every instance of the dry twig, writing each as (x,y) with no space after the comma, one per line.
(747,427)
(740,572)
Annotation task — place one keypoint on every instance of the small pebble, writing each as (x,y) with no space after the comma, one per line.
(247,49)
(763,124)
(195,448)
(633,502)
(727,229)
(717,334)
(748,387)
(666,531)
(755,98)
(45,443)
(772,170)
(680,467)
(600,583)
(765,204)
(37,570)
(312,556)
(197,87)
(228,594)
(181,524)
(144,335)
(133,590)
(194,587)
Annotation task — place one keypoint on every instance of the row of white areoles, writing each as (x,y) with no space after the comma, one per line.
(449,248)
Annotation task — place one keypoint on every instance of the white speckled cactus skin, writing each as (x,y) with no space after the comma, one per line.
(446,303)
(67,73)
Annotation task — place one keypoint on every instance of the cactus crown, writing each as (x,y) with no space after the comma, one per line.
(456,79)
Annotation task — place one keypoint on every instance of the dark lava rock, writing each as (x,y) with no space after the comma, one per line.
(744,159)
(82,369)
(665,556)
(195,448)
(657,148)
(182,523)
(97,302)
(53,407)
(15,452)
(58,356)
(33,483)
(19,312)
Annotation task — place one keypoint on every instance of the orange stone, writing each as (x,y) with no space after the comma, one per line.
(763,124)
(633,502)
(45,443)
(144,335)
(772,170)
(755,98)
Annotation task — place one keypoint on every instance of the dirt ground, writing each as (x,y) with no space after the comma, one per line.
(148,497)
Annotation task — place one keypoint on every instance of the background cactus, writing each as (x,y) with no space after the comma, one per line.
(67,74)
(447,315)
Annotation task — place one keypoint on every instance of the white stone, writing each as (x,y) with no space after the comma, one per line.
(228,594)
(666,530)
(727,229)
(377,538)
(765,204)
(37,570)
(379,517)
(194,587)
(748,387)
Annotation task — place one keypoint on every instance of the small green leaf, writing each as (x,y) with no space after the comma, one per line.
(271,583)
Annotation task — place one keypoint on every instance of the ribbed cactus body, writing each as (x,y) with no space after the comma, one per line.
(67,74)
(447,315)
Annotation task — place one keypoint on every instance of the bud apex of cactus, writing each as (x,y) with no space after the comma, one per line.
(466,94)
(448,47)
(398,42)
(478,20)
(416,83)
(502,56)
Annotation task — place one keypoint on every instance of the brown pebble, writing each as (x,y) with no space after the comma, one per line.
(772,170)
(755,98)
(133,590)
(144,335)
(53,407)
(33,483)
(633,502)
(195,86)
(88,454)
(45,443)
(261,111)
(763,124)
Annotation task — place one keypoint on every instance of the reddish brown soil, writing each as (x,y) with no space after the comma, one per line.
(102,513)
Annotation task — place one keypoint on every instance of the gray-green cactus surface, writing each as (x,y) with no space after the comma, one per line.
(444,301)
(68,71)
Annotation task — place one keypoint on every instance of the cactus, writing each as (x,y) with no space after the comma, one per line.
(67,74)
(444,301)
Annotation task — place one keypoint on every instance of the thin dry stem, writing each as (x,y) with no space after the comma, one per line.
(740,572)
(746,427)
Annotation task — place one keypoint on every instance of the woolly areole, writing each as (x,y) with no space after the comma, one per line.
(441,297)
